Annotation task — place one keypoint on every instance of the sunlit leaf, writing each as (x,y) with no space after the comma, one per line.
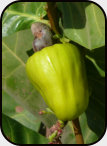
(20,15)
(83,23)
(13,110)
(15,81)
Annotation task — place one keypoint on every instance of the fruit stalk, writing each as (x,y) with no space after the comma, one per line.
(77,131)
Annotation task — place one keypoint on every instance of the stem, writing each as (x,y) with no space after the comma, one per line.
(77,131)
(53,15)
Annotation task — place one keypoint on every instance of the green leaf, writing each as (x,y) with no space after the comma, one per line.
(68,136)
(89,136)
(96,109)
(101,72)
(83,23)
(99,56)
(18,113)
(19,134)
(20,15)
(15,81)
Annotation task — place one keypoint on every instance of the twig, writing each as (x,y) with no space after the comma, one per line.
(77,131)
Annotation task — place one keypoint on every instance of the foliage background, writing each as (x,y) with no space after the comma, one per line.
(83,23)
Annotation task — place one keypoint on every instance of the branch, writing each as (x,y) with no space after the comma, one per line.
(77,131)
(53,15)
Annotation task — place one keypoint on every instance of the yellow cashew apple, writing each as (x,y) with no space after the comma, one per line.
(58,73)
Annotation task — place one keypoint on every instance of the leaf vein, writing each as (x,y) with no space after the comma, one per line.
(12,72)
(33,17)
(14,54)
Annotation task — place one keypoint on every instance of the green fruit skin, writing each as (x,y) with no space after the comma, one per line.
(58,73)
